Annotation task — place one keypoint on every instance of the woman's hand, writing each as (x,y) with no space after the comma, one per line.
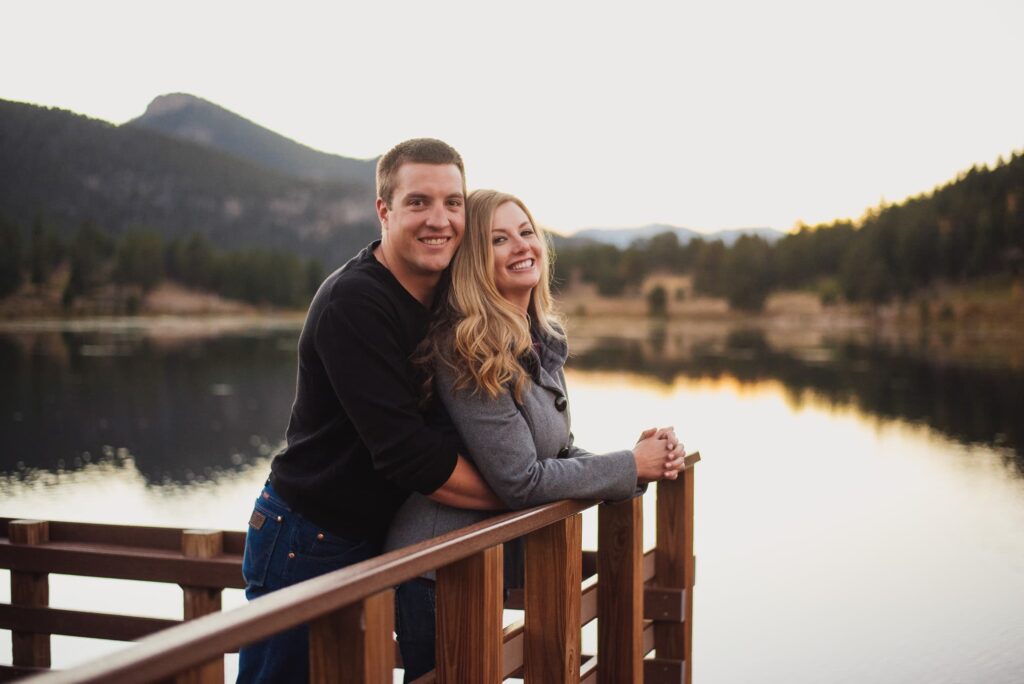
(658,454)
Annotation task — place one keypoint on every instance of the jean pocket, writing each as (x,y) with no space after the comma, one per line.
(260,541)
(330,547)
(318,552)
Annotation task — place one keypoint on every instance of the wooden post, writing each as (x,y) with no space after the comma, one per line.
(469,608)
(674,565)
(30,589)
(354,644)
(620,596)
(554,571)
(201,601)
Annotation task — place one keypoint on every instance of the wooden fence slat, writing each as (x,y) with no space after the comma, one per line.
(80,623)
(674,564)
(30,589)
(354,644)
(118,562)
(620,591)
(469,609)
(10,673)
(552,622)
(133,536)
(200,601)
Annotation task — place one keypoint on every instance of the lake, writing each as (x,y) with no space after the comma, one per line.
(859,505)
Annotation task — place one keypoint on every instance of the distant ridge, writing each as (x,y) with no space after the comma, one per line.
(623,237)
(192,118)
(71,170)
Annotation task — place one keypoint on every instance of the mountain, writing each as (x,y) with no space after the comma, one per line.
(192,118)
(70,170)
(623,237)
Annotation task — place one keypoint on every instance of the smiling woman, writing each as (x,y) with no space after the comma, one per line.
(518,252)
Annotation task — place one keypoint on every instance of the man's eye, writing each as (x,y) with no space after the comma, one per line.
(455,203)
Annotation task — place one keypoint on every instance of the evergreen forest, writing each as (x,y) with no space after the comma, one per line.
(969,229)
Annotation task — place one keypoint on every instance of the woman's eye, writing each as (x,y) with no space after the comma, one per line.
(498,240)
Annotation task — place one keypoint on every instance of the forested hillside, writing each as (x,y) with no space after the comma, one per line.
(971,228)
(70,171)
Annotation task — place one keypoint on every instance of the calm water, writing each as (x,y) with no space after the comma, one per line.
(859,505)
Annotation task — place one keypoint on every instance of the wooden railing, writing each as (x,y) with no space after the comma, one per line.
(644,602)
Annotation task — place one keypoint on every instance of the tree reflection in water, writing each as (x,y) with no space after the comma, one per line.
(183,409)
(974,404)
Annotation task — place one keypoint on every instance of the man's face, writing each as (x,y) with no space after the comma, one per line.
(426,220)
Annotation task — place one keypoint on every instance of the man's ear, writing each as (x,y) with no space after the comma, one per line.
(382,213)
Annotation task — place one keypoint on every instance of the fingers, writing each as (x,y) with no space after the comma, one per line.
(675,461)
(649,432)
(665,432)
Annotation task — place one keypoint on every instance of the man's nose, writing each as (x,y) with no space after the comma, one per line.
(437,217)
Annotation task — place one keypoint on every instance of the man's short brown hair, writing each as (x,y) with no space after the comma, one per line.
(415,151)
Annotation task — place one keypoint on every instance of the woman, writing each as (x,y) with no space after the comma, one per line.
(494,359)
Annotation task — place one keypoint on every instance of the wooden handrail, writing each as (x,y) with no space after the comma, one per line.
(195,642)
(324,601)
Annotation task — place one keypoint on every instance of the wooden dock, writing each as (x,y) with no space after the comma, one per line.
(643,601)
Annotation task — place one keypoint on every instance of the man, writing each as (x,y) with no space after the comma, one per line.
(357,443)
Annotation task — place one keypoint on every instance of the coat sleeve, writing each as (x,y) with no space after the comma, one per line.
(501,445)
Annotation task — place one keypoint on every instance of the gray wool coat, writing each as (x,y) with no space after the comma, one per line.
(524,451)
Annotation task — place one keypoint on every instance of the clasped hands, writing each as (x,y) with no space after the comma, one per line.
(659,455)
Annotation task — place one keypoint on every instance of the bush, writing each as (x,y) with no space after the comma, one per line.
(657,301)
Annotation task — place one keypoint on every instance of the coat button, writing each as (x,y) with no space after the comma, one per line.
(561,403)
(291,554)
(320,536)
(279,518)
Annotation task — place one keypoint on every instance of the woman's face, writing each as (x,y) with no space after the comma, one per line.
(518,251)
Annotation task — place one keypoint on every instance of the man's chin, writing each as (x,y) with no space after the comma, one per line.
(434,266)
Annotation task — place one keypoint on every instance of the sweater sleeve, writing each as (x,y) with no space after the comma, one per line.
(359,342)
(502,447)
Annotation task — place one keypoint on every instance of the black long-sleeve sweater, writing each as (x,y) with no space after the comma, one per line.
(358,442)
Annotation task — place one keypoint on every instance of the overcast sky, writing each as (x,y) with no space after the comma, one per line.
(708,115)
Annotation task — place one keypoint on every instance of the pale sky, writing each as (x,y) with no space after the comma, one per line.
(708,115)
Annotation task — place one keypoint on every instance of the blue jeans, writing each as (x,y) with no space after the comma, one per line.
(281,549)
(415,611)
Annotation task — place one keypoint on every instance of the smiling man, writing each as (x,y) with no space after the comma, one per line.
(357,441)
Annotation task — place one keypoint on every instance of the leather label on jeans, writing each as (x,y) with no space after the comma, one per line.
(256,520)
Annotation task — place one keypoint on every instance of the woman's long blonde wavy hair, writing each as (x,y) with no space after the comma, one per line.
(480,335)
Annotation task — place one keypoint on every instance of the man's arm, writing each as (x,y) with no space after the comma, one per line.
(357,340)
(466,488)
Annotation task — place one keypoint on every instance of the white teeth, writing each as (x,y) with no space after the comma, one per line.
(434,241)
(521,265)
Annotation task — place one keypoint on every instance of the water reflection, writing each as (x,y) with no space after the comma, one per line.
(974,404)
(179,409)
(182,409)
